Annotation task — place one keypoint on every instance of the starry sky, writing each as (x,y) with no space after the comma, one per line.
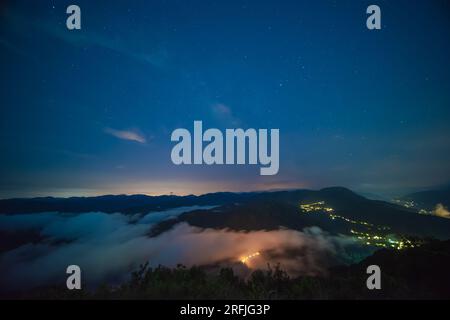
(91,111)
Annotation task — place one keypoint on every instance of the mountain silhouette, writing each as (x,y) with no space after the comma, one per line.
(274,210)
(429,199)
(251,211)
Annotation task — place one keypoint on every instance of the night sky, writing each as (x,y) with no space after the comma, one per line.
(90,111)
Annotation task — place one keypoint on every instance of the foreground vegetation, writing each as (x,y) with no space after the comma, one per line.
(415,273)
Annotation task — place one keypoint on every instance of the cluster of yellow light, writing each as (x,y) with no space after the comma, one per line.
(246,258)
(335,216)
(366,237)
(320,206)
(383,241)
(423,211)
(316,206)
(406,203)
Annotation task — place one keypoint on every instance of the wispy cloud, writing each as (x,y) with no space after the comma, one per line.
(13,48)
(224,113)
(90,239)
(131,135)
(156,56)
(221,109)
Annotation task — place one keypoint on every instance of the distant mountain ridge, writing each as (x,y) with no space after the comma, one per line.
(429,199)
(282,209)
(127,204)
(251,211)
(130,204)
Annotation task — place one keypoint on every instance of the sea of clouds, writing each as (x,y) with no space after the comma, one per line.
(108,247)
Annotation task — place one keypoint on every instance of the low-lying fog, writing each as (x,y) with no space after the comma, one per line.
(108,247)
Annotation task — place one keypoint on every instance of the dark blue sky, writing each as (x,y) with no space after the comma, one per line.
(91,111)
